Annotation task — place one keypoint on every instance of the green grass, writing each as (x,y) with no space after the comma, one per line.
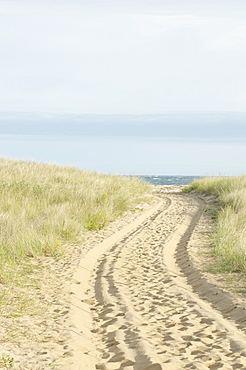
(229,238)
(7,362)
(45,207)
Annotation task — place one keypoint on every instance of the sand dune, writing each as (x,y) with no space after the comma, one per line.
(139,298)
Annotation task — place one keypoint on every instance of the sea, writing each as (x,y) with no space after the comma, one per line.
(169,180)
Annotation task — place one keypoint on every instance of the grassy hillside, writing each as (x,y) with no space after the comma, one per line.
(229,238)
(45,207)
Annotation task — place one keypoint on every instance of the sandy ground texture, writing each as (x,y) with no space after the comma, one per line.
(35,325)
(138,299)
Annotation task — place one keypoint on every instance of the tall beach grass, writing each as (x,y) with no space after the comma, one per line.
(44,207)
(229,238)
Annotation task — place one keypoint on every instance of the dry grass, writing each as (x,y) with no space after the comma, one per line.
(44,207)
(45,211)
(230,235)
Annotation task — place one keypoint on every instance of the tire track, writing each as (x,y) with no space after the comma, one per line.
(146,315)
(111,303)
(218,298)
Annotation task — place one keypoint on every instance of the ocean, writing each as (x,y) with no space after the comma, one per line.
(169,180)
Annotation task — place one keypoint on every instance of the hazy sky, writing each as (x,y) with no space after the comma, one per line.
(167,144)
(113,57)
(122,56)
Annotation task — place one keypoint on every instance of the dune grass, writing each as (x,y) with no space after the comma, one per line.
(229,238)
(45,207)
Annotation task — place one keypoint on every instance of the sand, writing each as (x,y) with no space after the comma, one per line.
(135,296)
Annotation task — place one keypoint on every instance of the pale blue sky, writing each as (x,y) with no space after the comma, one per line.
(168,144)
(130,156)
(122,56)
(128,57)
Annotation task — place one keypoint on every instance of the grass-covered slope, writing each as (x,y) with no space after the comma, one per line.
(229,238)
(43,207)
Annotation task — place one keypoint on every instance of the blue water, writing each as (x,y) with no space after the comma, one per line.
(169,180)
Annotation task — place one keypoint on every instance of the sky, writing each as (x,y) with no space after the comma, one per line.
(122,56)
(138,58)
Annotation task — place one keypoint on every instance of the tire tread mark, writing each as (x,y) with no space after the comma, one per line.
(142,360)
(217,297)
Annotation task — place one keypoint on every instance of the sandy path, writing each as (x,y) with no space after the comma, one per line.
(146,305)
(138,299)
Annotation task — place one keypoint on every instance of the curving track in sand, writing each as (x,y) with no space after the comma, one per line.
(148,306)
